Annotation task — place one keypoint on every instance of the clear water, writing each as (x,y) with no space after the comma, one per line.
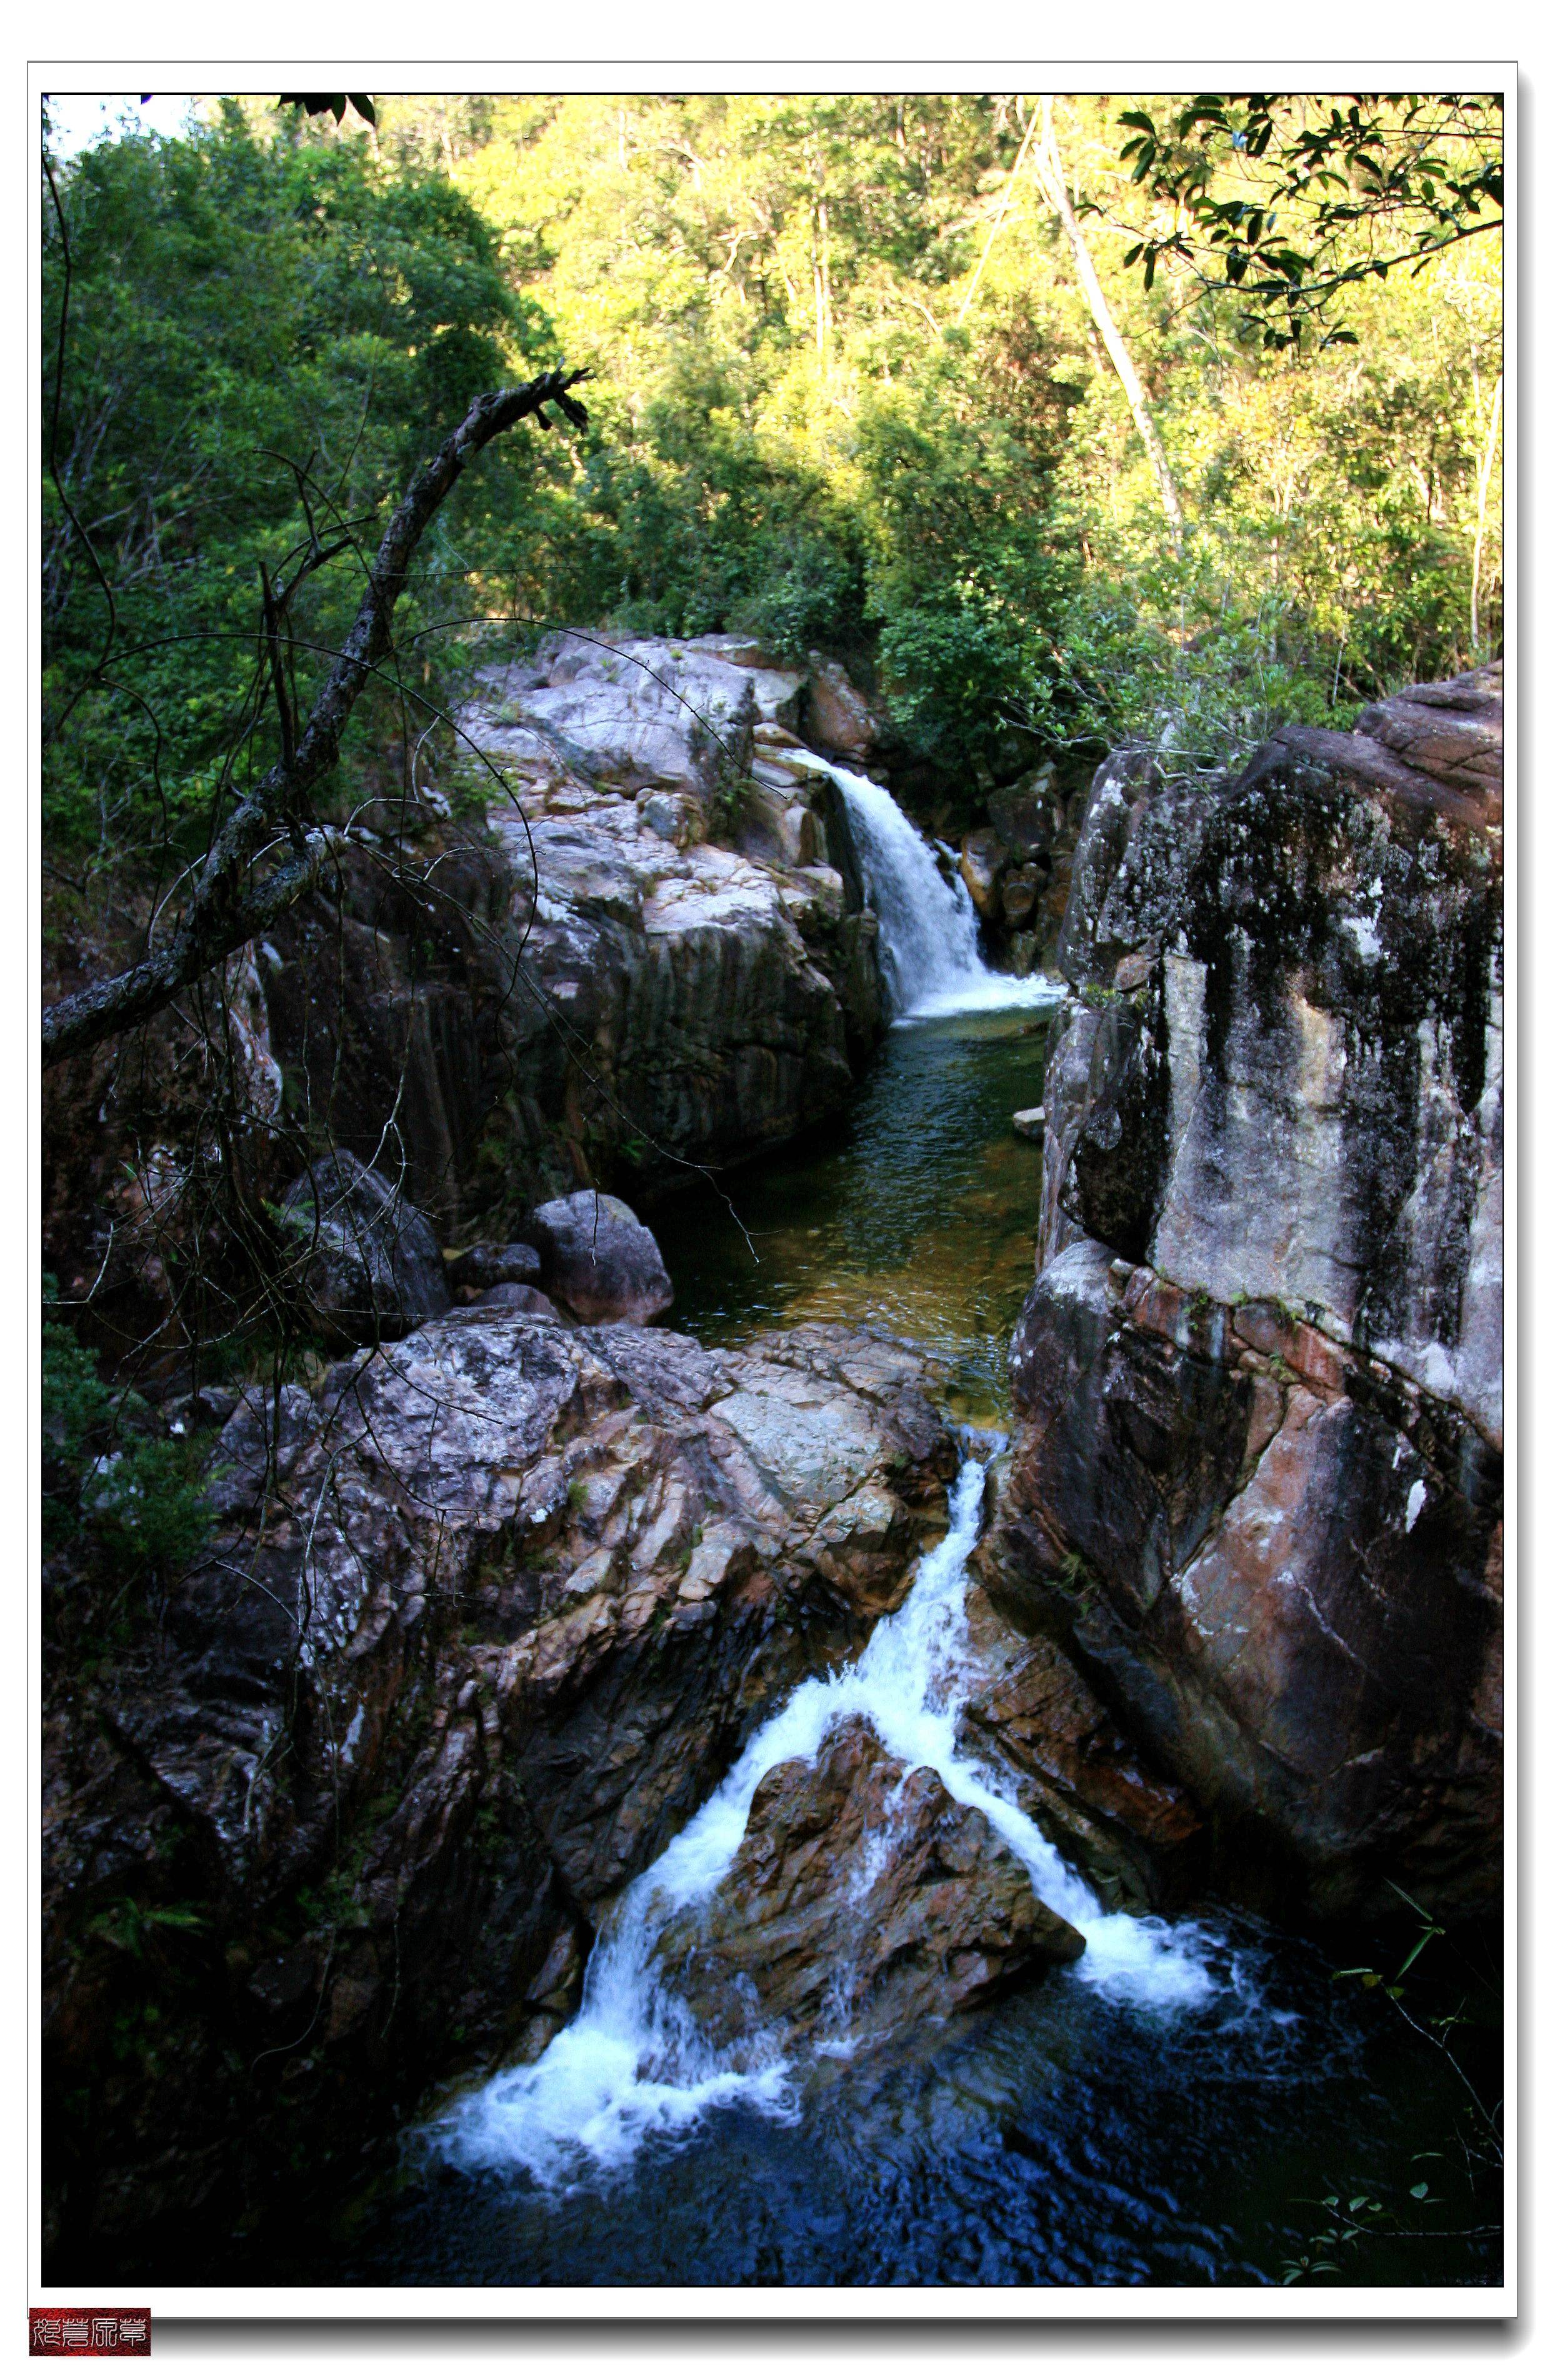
(918,1215)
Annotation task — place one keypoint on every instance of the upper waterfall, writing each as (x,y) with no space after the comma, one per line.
(930,949)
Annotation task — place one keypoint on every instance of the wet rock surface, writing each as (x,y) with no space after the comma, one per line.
(1142,1839)
(488,1616)
(862,1899)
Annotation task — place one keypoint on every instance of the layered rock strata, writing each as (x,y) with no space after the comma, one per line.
(1257,1472)
(653,957)
(487,1617)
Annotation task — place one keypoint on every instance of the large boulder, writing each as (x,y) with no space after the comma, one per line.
(862,1899)
(630,712)
(487,1263)
(1281,1071)
(483,1624)
(837,717)
(1257,1462)
(368,1261)
(600,1260)
(1282,1560)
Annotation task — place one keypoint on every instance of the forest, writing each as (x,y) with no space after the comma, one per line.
(847,392)
(771,1188)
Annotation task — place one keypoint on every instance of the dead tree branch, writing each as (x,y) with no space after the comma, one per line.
(227,907)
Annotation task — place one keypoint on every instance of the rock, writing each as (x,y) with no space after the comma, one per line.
(837,717)
(636,712)
(677,818)
(590,985)
(600,1259)
(1019,892)
(513,1297)
(487,1263)
(1295,1091)
(862,1899)
(1026,816)
(981,862)
(1282,1566)
(206,1408)
(367,1261)
(1030,1122)
(1142,1839)
(1452,731)
(513,1600)
(257,1450)
(1257,1468)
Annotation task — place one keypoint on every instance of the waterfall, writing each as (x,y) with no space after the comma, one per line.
(930,948)
(633,2062)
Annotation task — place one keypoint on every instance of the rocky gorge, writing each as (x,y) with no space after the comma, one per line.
(551,1670)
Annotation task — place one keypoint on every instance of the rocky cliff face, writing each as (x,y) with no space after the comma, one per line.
(651,960)
(486,1621)
(1257,1472)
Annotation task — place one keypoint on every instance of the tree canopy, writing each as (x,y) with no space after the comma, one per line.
(845,392)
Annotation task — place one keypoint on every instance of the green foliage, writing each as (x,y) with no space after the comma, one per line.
(1297,198)
(264,335)
(1468,2163)
(132,1926)
(132,1506)
(815,420)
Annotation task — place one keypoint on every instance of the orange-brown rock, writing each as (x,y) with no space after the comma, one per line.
(862,1899)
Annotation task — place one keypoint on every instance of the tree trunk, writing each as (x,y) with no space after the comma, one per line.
(1049,172)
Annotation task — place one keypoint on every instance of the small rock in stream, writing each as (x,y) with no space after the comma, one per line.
(862,1898)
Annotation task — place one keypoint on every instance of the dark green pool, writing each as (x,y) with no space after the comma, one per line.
(919,1214)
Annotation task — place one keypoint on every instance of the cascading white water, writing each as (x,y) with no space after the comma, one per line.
(930,949)
(633,2062)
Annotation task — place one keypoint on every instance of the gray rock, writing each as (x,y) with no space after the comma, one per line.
(514,1602)
(366,1261)
(600,1260)
(1281,1073)
(1026,816)
(1261,1375)
(482,1266)
(512,1298)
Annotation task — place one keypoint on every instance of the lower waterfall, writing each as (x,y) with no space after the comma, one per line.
(633,2062)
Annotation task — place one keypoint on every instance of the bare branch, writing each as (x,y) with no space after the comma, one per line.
(224,909)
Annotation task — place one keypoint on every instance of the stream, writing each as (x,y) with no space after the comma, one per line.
(1161,2112)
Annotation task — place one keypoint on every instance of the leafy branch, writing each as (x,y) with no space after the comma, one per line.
(1383,180)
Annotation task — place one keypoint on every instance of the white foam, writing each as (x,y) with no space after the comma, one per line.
(633,2062)
(930,948)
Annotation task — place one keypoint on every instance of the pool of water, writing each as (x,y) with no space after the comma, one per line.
(919,1215)
(1059,2140)
(1070,2136)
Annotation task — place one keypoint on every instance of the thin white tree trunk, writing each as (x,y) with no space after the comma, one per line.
(1049,172)
(993,229)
